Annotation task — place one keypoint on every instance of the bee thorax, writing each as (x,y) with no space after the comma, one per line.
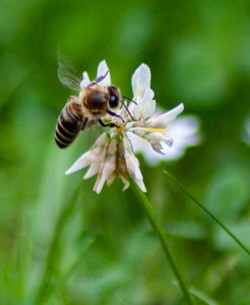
(95,103)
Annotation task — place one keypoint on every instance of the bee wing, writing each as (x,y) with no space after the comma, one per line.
(67,73)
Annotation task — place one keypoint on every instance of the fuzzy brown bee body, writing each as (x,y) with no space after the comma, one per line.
(94,104)
(97,102)
(69,123)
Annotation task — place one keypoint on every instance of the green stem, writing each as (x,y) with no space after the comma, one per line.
(210,214)
(149,212)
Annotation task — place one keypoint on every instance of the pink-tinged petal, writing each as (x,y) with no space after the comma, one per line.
(101,71)
(131,161)
(141,80)
(85,82)
(111,179)
(102,140)
(133,165)
(108,169)
(163,120)
(99,175)
(126,183)
(127,145)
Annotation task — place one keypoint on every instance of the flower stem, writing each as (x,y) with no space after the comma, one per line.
(149,212)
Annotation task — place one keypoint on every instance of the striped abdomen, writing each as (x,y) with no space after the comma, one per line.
(69,123)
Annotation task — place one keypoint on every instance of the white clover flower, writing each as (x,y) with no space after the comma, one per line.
(112,155)
(184,131)
(110,158)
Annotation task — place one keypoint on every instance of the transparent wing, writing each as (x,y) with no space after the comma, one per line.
(67,73)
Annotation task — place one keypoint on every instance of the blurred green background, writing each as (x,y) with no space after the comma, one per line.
(99,249)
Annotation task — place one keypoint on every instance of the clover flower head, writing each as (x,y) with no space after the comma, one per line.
(112,155)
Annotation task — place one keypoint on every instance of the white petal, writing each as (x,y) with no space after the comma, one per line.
(93,169)
(156,137)
(141,80)
(185,131)
(163,120)
(82,162)
(138,143)
(143,146)
(139,132)
(157,147)
(96,153)
(131,107)
(101,71)
(141,185)
(136,113)
(85,82)
(148,95)
(149,109)
(145,105)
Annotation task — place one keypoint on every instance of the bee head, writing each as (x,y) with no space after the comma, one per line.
(114,97)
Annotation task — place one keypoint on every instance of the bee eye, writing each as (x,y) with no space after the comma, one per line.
(113,101)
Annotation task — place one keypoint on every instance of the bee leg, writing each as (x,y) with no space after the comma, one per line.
(98,79)
(107,125)
(114,114)
(84,124)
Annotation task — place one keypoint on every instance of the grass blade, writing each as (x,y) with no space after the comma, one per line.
(210,214)
(201,296)
(46,288)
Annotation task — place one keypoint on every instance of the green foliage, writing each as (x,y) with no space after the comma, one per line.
(99,249)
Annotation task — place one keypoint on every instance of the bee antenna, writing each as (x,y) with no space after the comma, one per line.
(127,110)
(98,79)
(129,99)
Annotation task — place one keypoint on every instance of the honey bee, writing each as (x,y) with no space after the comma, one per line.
(92,106)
